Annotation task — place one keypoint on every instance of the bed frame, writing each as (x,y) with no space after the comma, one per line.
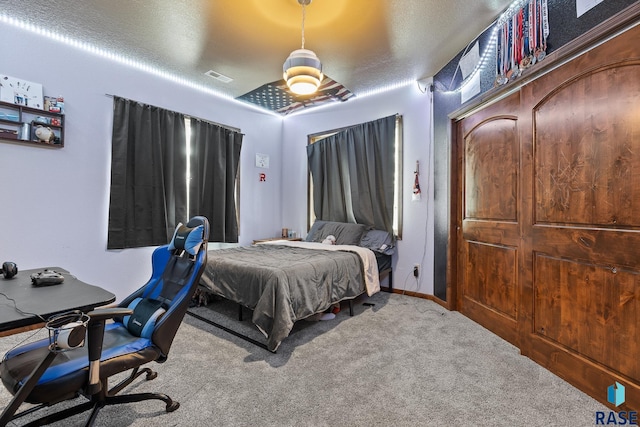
(383,274)
(363,240)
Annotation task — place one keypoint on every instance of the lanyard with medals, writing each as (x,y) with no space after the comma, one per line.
(533,29)
(501,54)
(511,49)
(525,62)
(515,47)
(521,40)
(542,29)
(499,59)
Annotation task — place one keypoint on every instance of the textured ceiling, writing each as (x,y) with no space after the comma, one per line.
(364,45)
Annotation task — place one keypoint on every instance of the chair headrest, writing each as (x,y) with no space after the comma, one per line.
(187,238)
(200,220)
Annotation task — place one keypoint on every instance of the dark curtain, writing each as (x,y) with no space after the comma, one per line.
(148,169)
(352,173)
(214,169)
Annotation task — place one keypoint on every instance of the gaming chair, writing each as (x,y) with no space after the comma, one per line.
(53,370)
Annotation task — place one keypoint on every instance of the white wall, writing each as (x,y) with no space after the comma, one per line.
(54,204)
(416,246)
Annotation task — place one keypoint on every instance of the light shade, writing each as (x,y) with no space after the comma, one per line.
(303,72)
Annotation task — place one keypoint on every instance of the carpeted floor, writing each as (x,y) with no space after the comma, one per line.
(402,362)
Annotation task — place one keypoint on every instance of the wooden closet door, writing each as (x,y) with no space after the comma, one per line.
(489,239)
(581,290)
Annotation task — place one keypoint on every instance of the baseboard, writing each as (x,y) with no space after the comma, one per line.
(414,294)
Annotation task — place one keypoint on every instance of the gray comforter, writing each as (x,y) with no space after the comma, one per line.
(283,284)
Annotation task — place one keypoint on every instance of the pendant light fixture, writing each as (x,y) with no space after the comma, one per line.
(303,70)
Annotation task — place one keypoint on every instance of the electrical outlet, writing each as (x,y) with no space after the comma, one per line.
(416,270)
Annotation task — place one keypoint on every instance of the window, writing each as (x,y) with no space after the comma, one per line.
(355,174)
(153,152)
(188,173)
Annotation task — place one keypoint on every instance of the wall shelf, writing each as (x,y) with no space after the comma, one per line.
(18,125)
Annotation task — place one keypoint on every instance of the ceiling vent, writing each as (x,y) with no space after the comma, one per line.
(218,76)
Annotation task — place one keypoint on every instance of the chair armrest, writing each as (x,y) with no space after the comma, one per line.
(108,313)
(95,335)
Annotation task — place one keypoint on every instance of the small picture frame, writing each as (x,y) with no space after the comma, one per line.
(54,104)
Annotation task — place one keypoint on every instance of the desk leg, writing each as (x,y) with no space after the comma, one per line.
(26,388)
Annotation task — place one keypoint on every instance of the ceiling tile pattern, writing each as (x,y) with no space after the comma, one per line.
(276,96)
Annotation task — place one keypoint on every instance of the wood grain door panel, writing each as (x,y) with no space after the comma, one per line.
(490,234)
(491,170)
(490,278)
(612,247)
(587,149)
(589,309)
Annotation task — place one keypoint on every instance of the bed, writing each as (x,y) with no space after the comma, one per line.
(286,281)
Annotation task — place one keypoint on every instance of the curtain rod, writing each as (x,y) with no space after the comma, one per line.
(235,129)
(398,116)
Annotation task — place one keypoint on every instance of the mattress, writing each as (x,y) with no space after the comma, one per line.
(283,282)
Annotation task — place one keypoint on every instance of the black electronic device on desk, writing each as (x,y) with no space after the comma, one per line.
(46,278)
(9,269)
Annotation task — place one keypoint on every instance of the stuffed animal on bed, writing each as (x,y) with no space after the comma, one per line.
(329,240)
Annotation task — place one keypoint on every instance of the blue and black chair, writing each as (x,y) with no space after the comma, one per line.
(144,325)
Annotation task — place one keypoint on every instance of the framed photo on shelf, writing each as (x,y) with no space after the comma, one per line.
(54,104)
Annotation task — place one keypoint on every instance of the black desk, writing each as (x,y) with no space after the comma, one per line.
(72,294)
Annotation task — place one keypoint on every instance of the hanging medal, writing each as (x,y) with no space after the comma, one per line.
(505,52)
(509,50)
(496,82)
(501,44)
(533,30)
(515,48)
(525,61)
(545,28)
